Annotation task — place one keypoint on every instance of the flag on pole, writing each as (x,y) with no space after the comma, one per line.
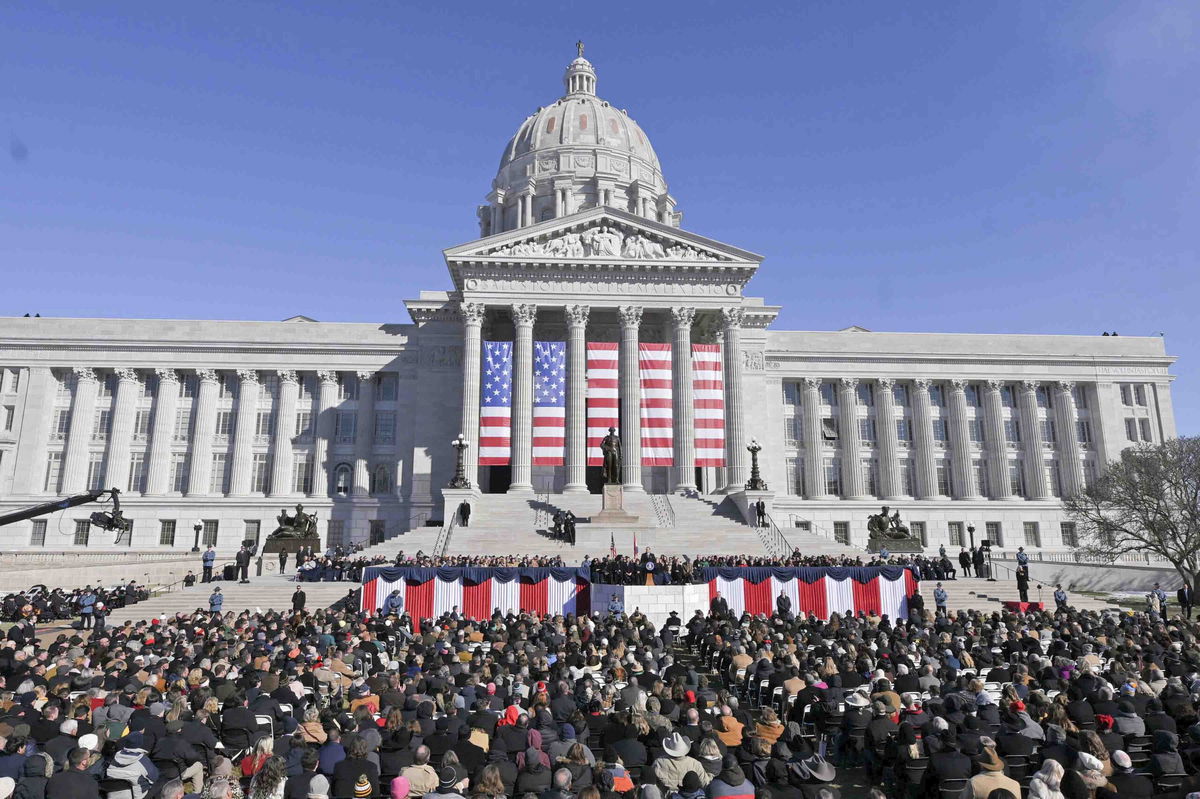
(635,549)
(612,545)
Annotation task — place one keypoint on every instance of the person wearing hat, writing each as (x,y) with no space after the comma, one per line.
(940,600)
(215,601)
(1060,598)
(815,773)
(452,783)
(991,776)
(692,789)
(675,762)
(1128,782)
(730,781)
(356,767)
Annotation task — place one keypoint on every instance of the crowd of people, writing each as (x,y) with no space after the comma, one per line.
(337,703)
(89,605)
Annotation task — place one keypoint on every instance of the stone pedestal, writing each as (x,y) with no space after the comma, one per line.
(453,497)
(746,500)
(275,545)
(613,508)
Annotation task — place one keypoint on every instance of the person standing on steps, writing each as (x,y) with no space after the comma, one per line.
(979,562)
(1023,583)
(1022,557)
(87,605)
(206,560)
(216,601)
(1060,598)
(299,599)
(964,561)
(282,560)
(464,514)
(760,512)
(243,564)
(941,600)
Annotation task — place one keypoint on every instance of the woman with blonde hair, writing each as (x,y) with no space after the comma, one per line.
(263,749)
(770,728)
(311,729)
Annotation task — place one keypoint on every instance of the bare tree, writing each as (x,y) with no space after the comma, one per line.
(1148,502)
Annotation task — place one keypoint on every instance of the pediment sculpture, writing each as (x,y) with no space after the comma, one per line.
(607,241)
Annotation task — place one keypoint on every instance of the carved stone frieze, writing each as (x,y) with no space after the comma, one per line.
(753,360)
(607,241)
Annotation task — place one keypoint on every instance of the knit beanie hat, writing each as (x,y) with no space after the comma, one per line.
(362,788)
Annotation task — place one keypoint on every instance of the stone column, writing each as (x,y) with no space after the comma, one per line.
(1071,467)
(116,471)
(631,399)
(1036,486)
(364,434)
(997,441)
(243,433)
(851,440)
(200,475)
(960,440)
(166,401)
(886,441)
(576,455)
(522,398)
(472,317)
(927,487)
(79,435)
(735,419)
(282,455)
(814,456)
(323,427)
(684,411)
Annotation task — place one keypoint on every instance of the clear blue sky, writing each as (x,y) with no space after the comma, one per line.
(1024,167)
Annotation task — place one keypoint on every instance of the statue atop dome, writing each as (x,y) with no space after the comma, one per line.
(579,47)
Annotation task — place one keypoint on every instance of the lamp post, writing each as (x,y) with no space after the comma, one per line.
(460,480)
(755,483)
(196,528)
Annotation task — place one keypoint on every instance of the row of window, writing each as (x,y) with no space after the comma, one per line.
(943,475)
(865,391)
(386,385)
(1133,394)
(956,531)
(169,530)
(793,430)
(264,425)
(342,482)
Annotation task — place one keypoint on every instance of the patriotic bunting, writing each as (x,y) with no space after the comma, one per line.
(603,397)
(654,367)
(819,591)
(708,397)
(495,413)
(549,402)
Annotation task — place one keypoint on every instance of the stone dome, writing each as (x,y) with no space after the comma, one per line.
(577,153)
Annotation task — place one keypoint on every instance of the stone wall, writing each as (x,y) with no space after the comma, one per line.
(1095,577)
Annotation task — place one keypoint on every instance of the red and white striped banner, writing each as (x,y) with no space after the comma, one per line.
(708,396)
(822,597)
(603,396)
(436,596)
(654,367)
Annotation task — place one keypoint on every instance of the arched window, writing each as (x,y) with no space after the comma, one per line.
(381,480)
(343,480)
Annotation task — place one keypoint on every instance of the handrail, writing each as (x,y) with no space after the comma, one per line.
(1075,556)
(782,547)
(541,510)
(813,527)
(663,511)
(443,540)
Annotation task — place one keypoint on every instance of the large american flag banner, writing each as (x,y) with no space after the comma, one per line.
(603,396)
(814,590)
(654,366)
(708,396)
(549,402)
(495,412)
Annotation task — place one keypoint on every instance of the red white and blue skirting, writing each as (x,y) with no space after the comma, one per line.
(429,592)
(817,591)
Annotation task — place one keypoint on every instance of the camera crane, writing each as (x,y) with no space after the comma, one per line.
(105,520)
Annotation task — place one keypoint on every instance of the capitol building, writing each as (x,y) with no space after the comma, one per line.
(585,303)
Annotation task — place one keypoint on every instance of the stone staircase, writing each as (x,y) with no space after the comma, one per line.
(976,593)
(268,591)
(519,524)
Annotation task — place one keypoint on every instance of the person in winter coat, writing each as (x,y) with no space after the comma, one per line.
(1046,782)
(38,770)
(689,789)
(534,777)
(731,783)
(1164,754)
(675,762)
(134,764)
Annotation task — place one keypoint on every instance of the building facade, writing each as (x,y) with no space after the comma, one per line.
(210,428)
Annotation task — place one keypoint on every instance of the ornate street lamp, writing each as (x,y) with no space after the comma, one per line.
(460,471)
(197,527)
(755,483)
